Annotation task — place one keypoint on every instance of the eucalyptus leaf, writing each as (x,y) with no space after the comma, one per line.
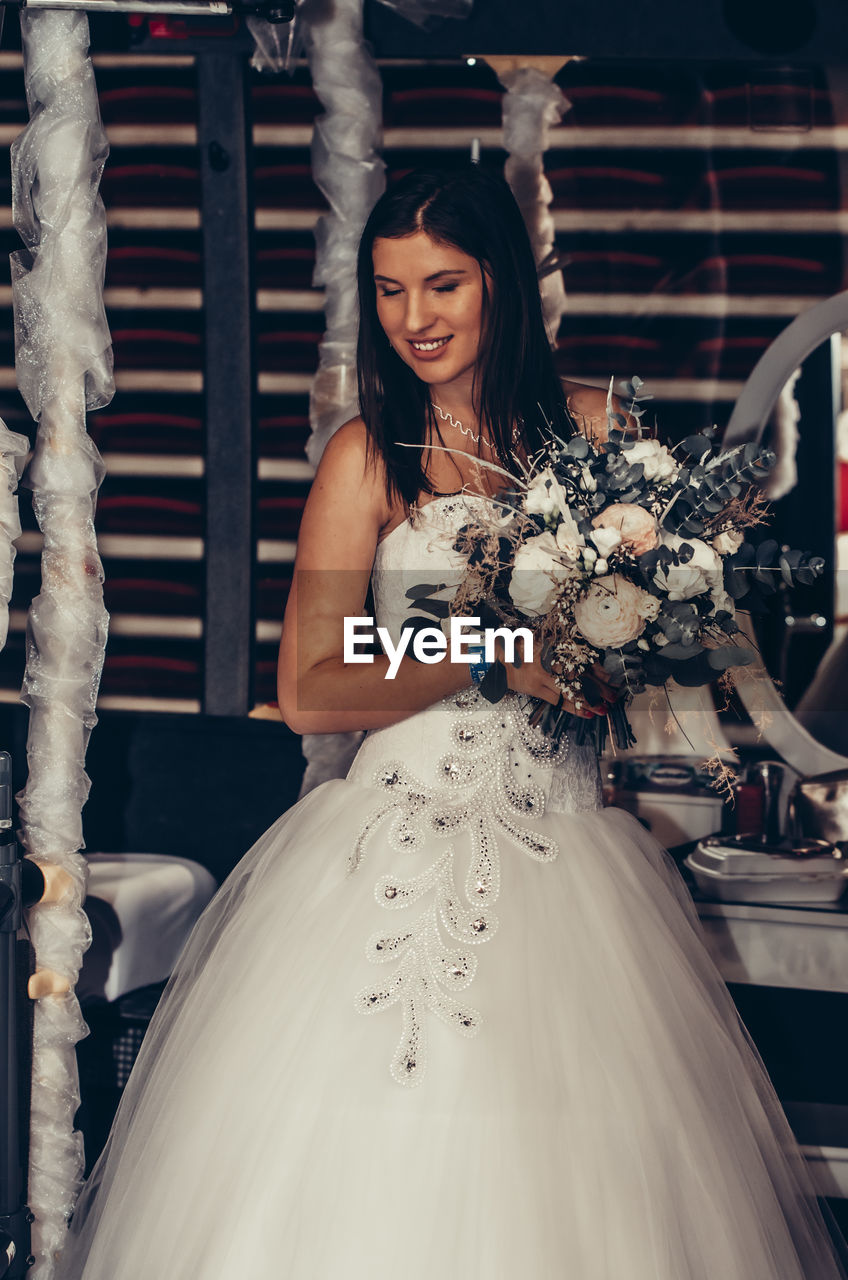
(678,652)
(730,655)
(767,553)
(697,446)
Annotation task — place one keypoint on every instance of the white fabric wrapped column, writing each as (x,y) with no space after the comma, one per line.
(531,105)
(13,450)
(64,367)
(348,169)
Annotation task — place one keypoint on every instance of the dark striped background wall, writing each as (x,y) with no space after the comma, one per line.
(691,239)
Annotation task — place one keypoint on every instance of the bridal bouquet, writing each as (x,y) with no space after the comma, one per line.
(624,555)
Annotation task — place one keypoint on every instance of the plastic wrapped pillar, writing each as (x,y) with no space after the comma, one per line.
(64,368)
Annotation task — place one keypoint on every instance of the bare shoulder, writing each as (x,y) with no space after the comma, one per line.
(345,462)
(347,449)
(588,406)
(347,502)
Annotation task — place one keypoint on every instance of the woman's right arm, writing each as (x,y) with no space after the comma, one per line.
(317,691)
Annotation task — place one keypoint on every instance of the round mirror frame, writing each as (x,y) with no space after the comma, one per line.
(747,422)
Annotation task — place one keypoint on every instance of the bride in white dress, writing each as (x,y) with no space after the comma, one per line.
(448,1018)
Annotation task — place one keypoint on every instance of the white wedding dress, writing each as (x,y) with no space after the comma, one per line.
(449,1019)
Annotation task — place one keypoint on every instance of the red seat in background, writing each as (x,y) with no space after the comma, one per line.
(149,513)
(161,266)
(731,104)
(289,350)
(155,589)
(597,354)
(619,271)
(283,435)
(284,267)
(443,106)
(144,348)
(272,590)
(279,514)
(283,104)
(611,104)
(727,356)
(603,186)
(152,669)
(843,497)
(769,186)
(286,186)
(152,185)
(146,432)
(148,104)
(758,273)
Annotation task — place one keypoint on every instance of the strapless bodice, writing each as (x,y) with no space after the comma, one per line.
(462,751)
(420,550)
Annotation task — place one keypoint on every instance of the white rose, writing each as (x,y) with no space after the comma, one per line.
(601,567)
(606,540)
(700,574)
(657,461)
(728,542)
(546,496)
(532,585)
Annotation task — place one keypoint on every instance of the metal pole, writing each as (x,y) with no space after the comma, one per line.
(224,132)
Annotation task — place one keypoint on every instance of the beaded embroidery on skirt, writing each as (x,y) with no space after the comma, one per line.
(488,781)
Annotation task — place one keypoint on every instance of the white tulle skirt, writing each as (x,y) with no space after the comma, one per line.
(611,1119)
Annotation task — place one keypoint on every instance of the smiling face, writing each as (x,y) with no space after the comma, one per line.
(430,304)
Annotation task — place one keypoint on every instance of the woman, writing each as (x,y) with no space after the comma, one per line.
(447,1018)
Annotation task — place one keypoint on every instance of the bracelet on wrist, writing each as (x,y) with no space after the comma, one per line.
(479,668)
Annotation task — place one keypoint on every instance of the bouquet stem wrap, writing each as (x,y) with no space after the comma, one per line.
(64,367)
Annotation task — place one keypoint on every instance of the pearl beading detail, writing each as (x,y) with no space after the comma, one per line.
(478,792)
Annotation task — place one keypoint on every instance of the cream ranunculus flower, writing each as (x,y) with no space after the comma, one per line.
(700,574)
(545,496)
(658,462)
(613,612)
(534,571)
(637,527)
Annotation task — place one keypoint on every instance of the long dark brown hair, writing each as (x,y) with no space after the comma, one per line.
(515,380)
